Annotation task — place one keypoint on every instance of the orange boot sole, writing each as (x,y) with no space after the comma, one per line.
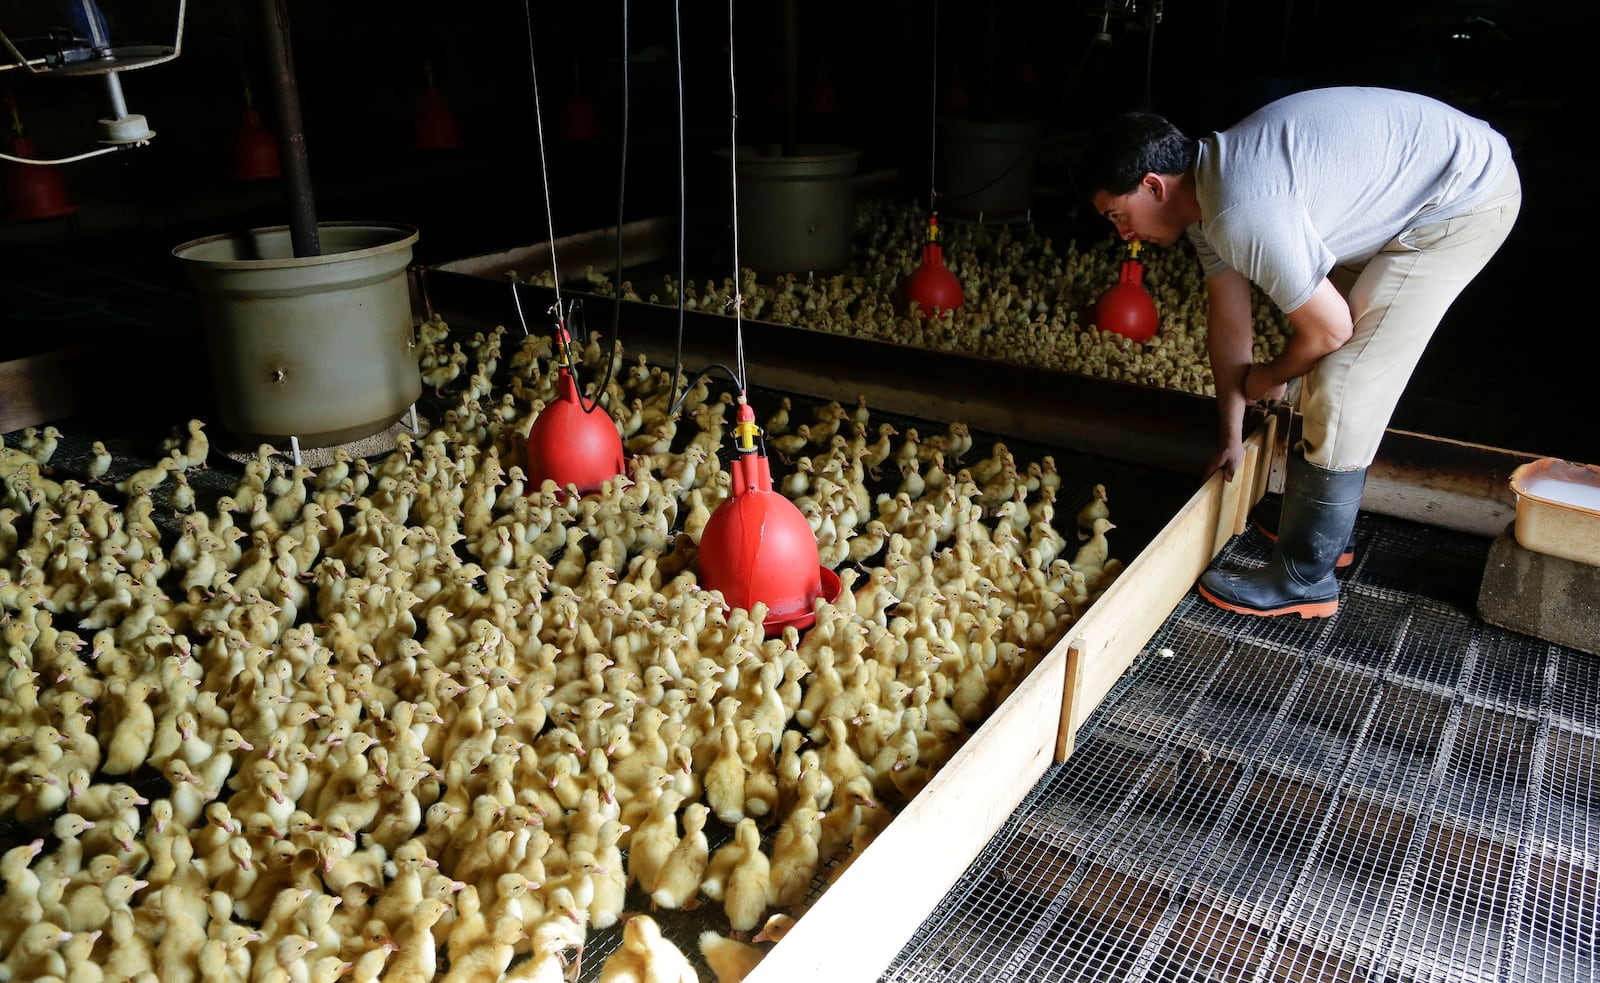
(1305,609)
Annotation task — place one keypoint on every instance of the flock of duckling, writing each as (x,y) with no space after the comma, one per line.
(1026,300)
(410,718)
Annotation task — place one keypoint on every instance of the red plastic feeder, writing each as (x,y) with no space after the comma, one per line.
(823,98)
(580,119)
(34,191)
(255,149)
(935,289)
(434,127)
(573,447)
(1127,308)
(758,547)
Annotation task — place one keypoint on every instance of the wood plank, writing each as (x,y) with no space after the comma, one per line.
(1066,738)
(1112,633)
(39,388)
(860,923)
(1448,484)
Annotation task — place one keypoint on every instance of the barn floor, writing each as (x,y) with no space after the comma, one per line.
(1399,793)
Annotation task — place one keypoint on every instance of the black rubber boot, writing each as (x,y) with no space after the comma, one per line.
(1319,511)
(1268,513)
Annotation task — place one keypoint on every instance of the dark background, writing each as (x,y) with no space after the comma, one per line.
(1509,366)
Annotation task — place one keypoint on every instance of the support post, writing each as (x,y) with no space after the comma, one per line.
(286,102)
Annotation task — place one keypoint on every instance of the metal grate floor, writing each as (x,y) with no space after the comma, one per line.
(1400,793)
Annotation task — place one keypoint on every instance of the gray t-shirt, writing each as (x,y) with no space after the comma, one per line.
(1328,176)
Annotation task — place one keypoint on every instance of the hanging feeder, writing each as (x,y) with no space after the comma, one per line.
(935,289)
(580,118)
(571,445)
(757,545)
(1127,308)
(34,191)
(255,148)
(434,127)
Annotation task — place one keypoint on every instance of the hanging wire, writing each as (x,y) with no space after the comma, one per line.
(544,178)
(563,336)
(683,194)
(733,170)
(679,395)
(622,186)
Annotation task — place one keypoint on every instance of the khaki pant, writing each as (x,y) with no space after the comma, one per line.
(1397,298)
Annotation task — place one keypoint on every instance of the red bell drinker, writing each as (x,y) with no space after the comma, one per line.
(255,149)
(34,191)
(434,125)
(758,547)
(1127,308)
(571,445)
(935,289)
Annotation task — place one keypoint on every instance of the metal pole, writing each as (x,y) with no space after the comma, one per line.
(286,100)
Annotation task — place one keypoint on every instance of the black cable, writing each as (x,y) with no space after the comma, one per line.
(677,400)
(1150,53)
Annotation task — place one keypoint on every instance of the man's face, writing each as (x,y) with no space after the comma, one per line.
(1142,213)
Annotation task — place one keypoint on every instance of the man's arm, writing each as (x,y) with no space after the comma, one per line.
(1229,341)
(1321,326)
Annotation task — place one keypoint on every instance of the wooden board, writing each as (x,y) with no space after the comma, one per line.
(860,923)
(1113,631)
(39,388)
(856,927)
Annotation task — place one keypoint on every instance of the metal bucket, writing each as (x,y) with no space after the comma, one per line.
(319,348)
(985,169)
(796,213)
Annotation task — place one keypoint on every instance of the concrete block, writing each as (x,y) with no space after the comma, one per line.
(1545,596)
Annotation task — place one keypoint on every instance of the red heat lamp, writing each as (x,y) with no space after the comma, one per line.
(1127,308)
(935,289)
(570,445)
(758,547)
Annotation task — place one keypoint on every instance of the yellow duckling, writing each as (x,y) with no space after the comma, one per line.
(1096,509)
(487,961)
(747,890)
(646,956)
(652,842)
(845,813)
(796,855)
(678,881)
(732,960)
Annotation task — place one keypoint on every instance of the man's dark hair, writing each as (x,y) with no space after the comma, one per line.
(1130,146)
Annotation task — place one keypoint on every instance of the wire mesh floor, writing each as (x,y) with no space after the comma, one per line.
(1399,793)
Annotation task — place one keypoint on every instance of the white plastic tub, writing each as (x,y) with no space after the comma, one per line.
(1558,509)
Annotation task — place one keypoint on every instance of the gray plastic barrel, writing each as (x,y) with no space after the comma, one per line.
(319,348)
(985,169)
(796,213)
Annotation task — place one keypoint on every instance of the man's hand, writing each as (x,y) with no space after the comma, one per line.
(1259,386)
(1227,460)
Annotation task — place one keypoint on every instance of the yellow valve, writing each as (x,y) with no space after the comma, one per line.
(744,435)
